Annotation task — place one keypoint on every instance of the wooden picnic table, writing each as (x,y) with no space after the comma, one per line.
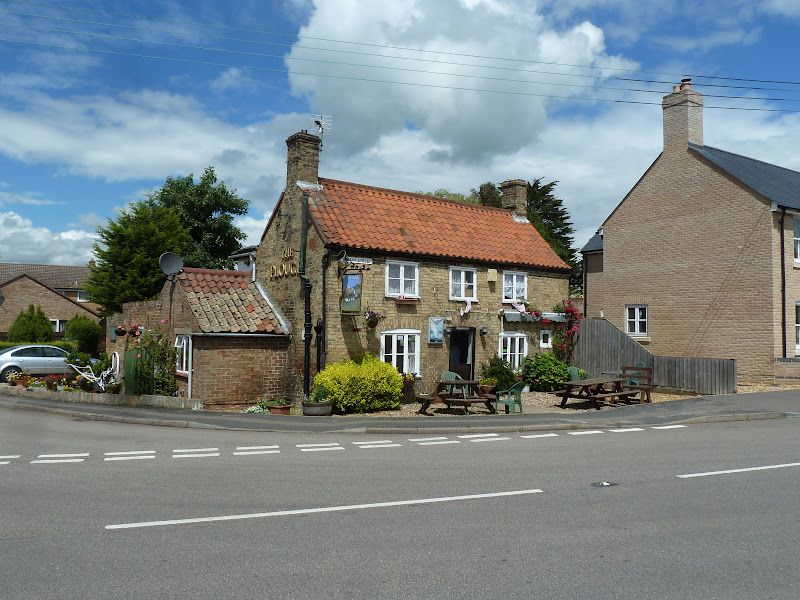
(468,394)
(598,388)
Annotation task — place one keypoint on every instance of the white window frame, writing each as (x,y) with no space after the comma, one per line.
(637,320)
(82,296)
(797,239)
(549,342)
(59,325)
(797,328)
(514,356)
(461,282)
(183,345)
(409,366)
(402,264)
(515,275)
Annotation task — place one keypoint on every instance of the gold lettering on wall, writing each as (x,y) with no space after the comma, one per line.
(286,268)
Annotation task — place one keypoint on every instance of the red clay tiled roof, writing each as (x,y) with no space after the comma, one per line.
(228,302)
(360,216)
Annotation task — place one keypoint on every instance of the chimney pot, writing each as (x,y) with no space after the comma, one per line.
(302,158)
(515,196)
(683,117)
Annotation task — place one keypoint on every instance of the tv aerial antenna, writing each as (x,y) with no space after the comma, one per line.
(324,123)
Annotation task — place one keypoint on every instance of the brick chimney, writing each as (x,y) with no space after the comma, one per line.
(302,159)
(683,117)
(515,196)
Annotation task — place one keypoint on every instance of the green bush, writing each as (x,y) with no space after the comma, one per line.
(68,346)
(31,325)
(84,332)
(544,372)
(499,370)
(364,386)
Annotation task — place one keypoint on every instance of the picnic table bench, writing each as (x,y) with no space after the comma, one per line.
(458,392)
(595,389)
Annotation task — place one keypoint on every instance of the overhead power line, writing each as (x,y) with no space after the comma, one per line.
(370,66)
(370,80)
(388,46)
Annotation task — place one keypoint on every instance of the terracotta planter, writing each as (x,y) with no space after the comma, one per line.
(409,392)
(280,410)
(317,409)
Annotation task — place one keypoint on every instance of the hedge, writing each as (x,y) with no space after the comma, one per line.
(364,386)
(68,346)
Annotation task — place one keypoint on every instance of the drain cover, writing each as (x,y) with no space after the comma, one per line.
(604,484)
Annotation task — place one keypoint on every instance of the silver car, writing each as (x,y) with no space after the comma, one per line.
(34,359)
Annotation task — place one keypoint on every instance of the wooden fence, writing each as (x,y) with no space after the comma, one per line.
(601,348)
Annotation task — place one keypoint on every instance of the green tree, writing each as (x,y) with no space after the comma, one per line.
(446,194)
(127,254)
(84,332)
(547,213)
(31,325)
(206,211)
(488,194)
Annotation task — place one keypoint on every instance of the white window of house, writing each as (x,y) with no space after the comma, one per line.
(797,328)
(636,319)
(797,238)
(545,338)
(400,347)
(59,325)
(515,286)
(402,279)
(182,353)
(82,296)
(462,284)
(513,348)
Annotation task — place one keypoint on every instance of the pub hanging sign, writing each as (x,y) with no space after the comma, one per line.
(351,294)
(286,268)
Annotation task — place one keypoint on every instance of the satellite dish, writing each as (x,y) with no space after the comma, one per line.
(170,263)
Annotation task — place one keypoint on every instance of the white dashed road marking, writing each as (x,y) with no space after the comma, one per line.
(74,455)
(322,449)
(437,443)
(728,471)
(317,445)
(130,457)
(57,460)
(539,435)
(626,429)
(476,435)
(427,439)
(196,455)
(129,452)
(668,427)
(250,452)
(590,432)
(4,462)
(257,447)
(373,442)
(196,450)
(390,445)
(490,439)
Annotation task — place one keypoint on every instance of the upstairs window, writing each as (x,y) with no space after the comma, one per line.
(515,287)
(797,328)
(636,319)
(402,279)
(83,296)
(513,348)
(462,284)
(797,238)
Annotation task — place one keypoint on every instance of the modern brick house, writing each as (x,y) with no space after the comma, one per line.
(444,275)
(702,256)
(59,289)
(231,341)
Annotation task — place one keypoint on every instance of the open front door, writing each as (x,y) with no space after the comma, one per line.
(462,352)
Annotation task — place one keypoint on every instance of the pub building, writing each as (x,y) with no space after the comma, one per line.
(424,283)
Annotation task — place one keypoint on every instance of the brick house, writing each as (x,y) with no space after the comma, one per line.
(59,289)
(231,341)
(444,275)
(702,256)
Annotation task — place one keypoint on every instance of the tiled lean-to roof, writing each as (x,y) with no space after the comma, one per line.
(360,216)
(58,277)
(228,302)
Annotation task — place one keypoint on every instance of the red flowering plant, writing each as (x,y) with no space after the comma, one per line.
(565,333)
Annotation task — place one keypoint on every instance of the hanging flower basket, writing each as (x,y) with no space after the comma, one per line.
(371,318)
(120,330)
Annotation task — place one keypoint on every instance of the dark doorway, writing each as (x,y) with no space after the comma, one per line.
(462,352)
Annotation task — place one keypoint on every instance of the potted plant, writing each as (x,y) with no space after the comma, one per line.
(409,388)
(371,318)
(488,385)
(121,330)
(318,405)
(277,406)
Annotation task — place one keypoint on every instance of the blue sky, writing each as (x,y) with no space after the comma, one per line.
(86,128)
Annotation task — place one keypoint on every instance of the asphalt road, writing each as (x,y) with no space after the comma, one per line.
(405,516)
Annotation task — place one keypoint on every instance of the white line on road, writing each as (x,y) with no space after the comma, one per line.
(390,445)
(196,455)
(196,450)
(131,457)
(539,435)
(477,435)
(373,442)
(437,443)
(75,455)
(249,452)
(256,447)
(427,439)
(317,445)
(668,427)
(491,439)
(307,511)
(10,456)
(4,462)
(690,475)
(129,452)
(321,449)
(57,460)
(590,432)
(626,429)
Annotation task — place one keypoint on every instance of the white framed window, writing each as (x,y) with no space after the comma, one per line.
(400,347)
(402,279)
(797,328)
(636,319)
(513,348)
(82,296)
(182,345)
(797,238)
(545,338)
(515,286)
(463,283)
(59,325)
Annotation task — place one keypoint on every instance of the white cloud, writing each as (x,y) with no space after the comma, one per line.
(234,79)
(22,242)
(27,199)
